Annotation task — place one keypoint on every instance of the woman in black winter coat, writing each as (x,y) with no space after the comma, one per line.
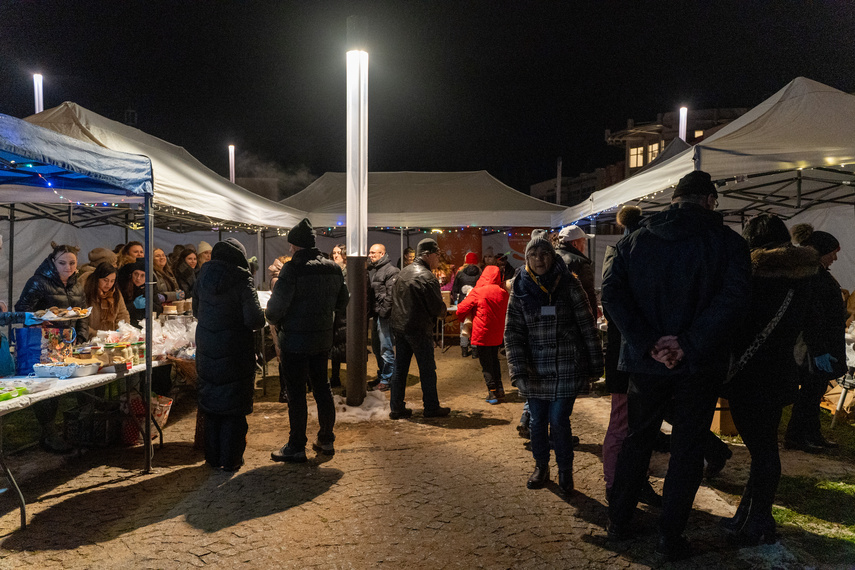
(54,284)
(228,311)
(766,379)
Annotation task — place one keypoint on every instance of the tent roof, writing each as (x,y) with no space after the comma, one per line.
(790,153)
(420,199)
(180,181)
(39,165)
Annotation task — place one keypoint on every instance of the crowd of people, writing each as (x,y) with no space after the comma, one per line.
(694,311)
(113,284)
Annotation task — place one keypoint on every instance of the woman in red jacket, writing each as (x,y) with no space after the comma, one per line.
(487,303)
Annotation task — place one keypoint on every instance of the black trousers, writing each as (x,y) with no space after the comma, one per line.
(804,422)
(225,440)
(488,356)
(757,419)
(298,368)
(649,397)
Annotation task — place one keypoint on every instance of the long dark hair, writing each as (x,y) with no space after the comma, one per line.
(93,294)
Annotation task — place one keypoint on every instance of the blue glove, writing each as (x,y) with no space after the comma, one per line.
(31,319)
(139,302)
(824,362)
(161,298)
(179,294)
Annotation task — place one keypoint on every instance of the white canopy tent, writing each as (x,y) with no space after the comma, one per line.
(789,154)
(425,199)
(180,181)
(792,155)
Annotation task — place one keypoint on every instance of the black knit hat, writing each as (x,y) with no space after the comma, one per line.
(427,245)
(696,182)
(303,234)
(822,242)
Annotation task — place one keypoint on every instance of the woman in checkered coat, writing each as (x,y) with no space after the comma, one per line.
(553,349)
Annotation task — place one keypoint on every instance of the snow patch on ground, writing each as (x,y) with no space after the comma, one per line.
(375,407)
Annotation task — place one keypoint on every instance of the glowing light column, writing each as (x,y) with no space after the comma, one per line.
(357,153)
(232,163)
(684,114)
(357,212)
(38,91)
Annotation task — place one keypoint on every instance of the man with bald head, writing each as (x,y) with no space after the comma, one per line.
(381,277)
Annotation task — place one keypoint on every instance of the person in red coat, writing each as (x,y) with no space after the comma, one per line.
(487,303)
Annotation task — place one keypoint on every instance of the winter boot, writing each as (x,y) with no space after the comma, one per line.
(539,478)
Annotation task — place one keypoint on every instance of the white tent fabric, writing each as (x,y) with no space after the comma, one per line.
(425,199)
(792,152)
(37,164)
(180,181)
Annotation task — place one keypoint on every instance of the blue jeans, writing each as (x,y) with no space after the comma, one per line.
(382,345)
(312,367)
(408,345)
(552,415)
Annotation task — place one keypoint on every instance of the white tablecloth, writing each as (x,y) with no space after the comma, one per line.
(66,386)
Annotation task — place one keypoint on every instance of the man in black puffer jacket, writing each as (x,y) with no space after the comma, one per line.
(305,299)
(675,288)
(381,278)
(226,305)
(416,305)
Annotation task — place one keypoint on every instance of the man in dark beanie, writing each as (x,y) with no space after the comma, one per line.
(416,305)
(675,288)
(309,293)
(826,352)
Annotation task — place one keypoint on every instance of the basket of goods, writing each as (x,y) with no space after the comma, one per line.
(97,424)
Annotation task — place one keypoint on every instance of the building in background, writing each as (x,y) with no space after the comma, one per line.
(642,143)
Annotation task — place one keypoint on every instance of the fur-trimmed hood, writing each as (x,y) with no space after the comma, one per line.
(786,262)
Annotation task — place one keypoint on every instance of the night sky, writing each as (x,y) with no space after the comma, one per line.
(502,86)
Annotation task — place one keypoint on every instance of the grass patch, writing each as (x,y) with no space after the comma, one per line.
(824,513)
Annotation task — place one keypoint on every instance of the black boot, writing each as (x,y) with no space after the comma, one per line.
(757,528)
(565,480)
(735,523)
(464,351)
(539,478)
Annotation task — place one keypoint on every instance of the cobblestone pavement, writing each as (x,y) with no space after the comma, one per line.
(440,493)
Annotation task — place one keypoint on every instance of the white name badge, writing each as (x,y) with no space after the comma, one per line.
(547,311)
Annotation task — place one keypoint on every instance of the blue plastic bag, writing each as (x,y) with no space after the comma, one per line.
(28,348)
(7,364)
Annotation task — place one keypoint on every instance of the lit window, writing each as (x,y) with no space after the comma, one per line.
(636,157)
(699,134)
(652,152)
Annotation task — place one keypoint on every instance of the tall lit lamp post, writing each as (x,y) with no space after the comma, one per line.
(38,92)
(232,163)
(357,211)
(684,115)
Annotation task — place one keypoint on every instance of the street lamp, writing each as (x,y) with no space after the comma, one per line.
(232,163)
(39,96)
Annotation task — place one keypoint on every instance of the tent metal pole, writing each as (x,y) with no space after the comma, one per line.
(149,326)
(798,189)
(127,223)
(402,248)
(260,257)
(11,261)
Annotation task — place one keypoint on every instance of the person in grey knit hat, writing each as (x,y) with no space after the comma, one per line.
(553,349)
